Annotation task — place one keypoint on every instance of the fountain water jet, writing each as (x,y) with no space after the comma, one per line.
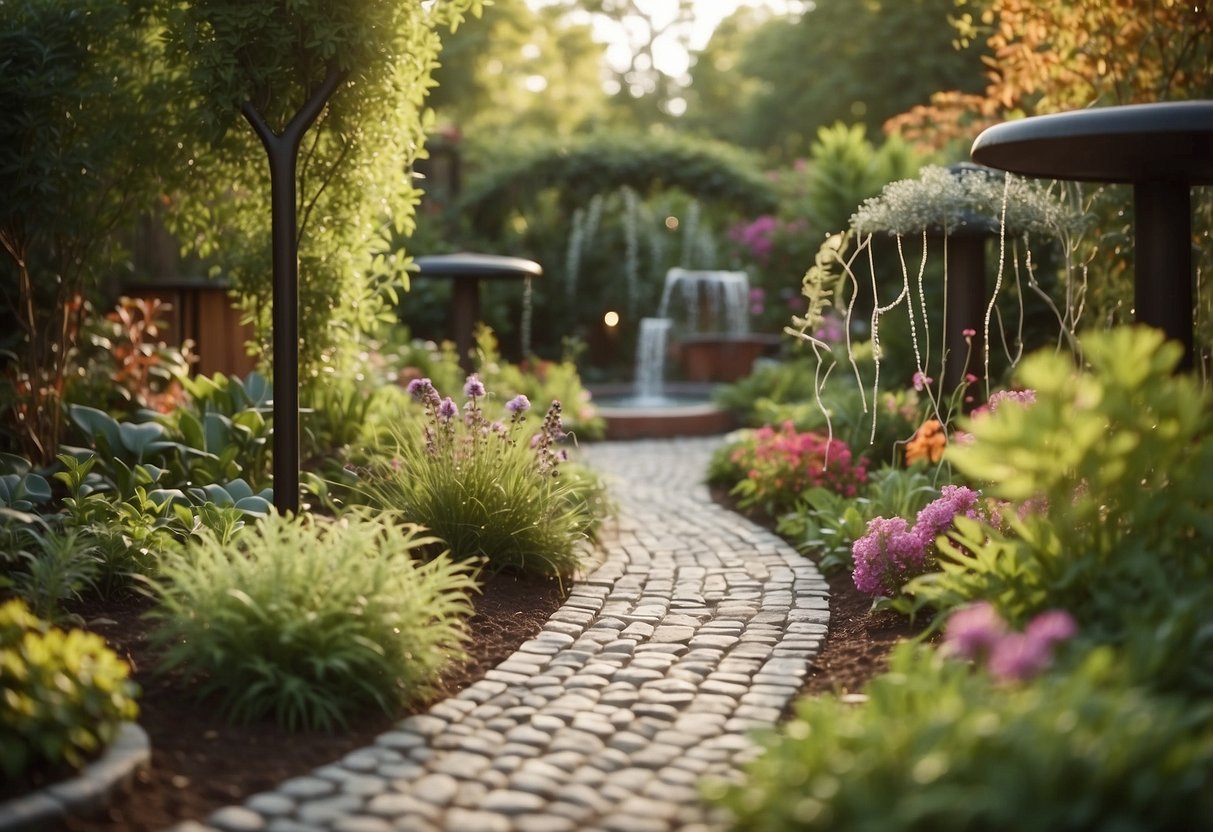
(715,305)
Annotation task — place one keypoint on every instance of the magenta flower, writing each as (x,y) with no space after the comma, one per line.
(518,405)
(1017,657)
(978,632)
(973,631)
(937,517)
(447,409)
(473,388)
(1019,397)
(1051,627)
(922,381)
(886,557)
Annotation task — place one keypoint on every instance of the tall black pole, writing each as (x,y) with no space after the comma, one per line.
(1162,294)
(283,152)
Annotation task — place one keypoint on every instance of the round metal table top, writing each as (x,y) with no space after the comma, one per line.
(476,266)
(1164,142)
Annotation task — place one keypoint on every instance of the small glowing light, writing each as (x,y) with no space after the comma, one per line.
(611,319)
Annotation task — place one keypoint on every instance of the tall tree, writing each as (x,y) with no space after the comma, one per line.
(518,68)
(1046,56)
(86,144)
(854,61)
(643,92)
(720,92)
(277,66)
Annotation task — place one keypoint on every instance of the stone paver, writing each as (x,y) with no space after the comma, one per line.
(695,628)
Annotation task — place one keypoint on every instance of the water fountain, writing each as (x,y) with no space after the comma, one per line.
(714,345)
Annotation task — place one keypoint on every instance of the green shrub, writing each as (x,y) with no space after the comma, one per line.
(1108,479)
(481,487)
(62,694)
(938,746)
(307,620)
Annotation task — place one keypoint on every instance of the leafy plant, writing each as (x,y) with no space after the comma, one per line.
(306,620)
(131,534)
(481,487)
(229,395)
(1109,491)
(21,489)
(947,748)
(58,565)
(65,693)
(123,364)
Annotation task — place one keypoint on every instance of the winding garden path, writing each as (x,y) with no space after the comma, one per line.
(695,628)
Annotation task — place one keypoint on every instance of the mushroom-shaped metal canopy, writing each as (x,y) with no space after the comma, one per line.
(1162,150)
(467,270)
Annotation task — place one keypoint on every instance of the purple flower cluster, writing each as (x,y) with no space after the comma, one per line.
(444,441)
(518,405)
(892,551)
(887,556)
(977,632)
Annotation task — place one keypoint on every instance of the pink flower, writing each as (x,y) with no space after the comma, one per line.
(937,517)
(973,631)
(1051,627)
(886,557)
(922,381)
(1017,658)
(1019,397)
(978,632)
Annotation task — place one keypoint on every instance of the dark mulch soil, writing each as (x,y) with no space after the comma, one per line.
(200,763)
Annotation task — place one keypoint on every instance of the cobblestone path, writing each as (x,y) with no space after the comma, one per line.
(696,628)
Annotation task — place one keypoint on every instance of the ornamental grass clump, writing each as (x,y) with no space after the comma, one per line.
(778,466)
(488,488)
(308,620)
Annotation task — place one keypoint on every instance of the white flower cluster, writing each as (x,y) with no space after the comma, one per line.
(949,200)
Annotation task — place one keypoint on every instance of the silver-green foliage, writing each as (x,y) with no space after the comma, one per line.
(943,200)
(938,746)
(306,620)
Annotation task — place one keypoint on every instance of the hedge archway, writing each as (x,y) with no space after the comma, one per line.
(706,170)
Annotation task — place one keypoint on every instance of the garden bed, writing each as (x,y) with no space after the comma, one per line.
(201,763)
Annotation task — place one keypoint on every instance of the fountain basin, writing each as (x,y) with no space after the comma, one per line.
(682,409)
(722,357)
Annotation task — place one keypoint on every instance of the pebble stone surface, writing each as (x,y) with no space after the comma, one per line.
(696,628)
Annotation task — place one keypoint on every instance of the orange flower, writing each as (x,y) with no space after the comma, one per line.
(928,443)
